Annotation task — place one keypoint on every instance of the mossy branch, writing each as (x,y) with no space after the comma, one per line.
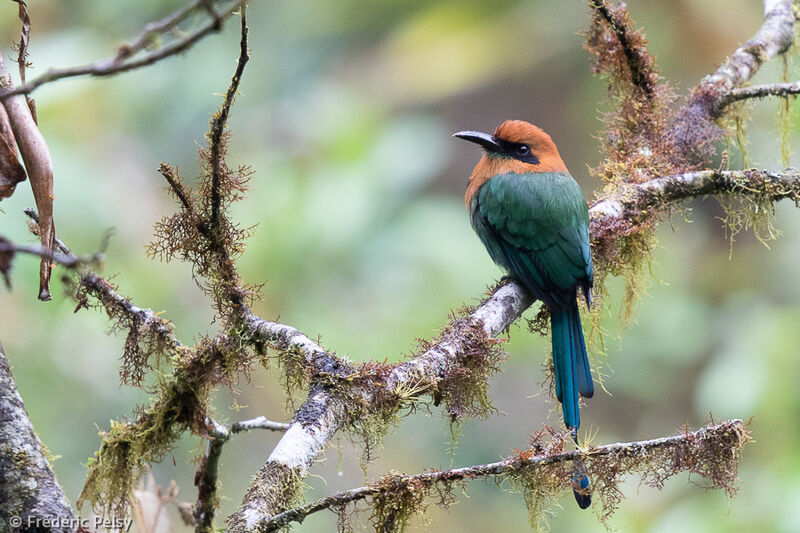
(640,199)
(638,61)
(692,126)
(710,452)
(218,124)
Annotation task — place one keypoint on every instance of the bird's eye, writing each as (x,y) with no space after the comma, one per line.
(523,149)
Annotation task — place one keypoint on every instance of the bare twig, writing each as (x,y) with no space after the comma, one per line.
(260,422)
(124,60)
(207,473)
(34,216)
(696,440)
(65,260)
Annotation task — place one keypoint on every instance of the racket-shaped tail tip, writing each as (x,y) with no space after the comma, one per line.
(580,487)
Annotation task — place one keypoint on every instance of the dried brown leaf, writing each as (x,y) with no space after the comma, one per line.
(36,156)
(11,171)
(6,258)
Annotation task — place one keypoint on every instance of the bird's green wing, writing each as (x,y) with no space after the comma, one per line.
(536,225)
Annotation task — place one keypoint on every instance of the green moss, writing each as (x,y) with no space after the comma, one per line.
(748,207)
(277,487)
(464,386)
(128,447)
(402,497)
(713,457)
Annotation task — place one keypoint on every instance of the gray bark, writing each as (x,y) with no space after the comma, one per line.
(30,497)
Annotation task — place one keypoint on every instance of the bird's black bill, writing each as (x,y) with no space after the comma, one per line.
(484,139)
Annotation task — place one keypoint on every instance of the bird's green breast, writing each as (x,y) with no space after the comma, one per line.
(532,203)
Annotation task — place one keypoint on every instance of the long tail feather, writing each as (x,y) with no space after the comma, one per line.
(573,378)
(570,362)
(564,366)
(583,370)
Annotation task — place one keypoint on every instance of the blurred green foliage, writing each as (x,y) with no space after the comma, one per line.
(362,238)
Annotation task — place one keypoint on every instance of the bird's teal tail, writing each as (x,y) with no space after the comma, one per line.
(573,378)
(571,364)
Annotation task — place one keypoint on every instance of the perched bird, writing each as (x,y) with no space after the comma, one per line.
(532,218)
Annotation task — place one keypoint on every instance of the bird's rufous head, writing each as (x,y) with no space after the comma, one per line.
(516,147)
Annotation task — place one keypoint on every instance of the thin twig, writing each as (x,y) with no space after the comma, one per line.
(177,187)
(207,474)
(218,128)
(66,260)
(33,215)
(114,302)
(759,91)
(260,422)
(500,468)
(122,61)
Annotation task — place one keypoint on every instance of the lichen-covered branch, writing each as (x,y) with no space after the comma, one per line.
(774,37)
(709,99)
(324,412)
(29,490)
(768,185)
(691,452)
(128,56)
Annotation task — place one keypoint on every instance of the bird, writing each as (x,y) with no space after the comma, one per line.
(533,220)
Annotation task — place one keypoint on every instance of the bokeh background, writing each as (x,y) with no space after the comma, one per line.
(362,238)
